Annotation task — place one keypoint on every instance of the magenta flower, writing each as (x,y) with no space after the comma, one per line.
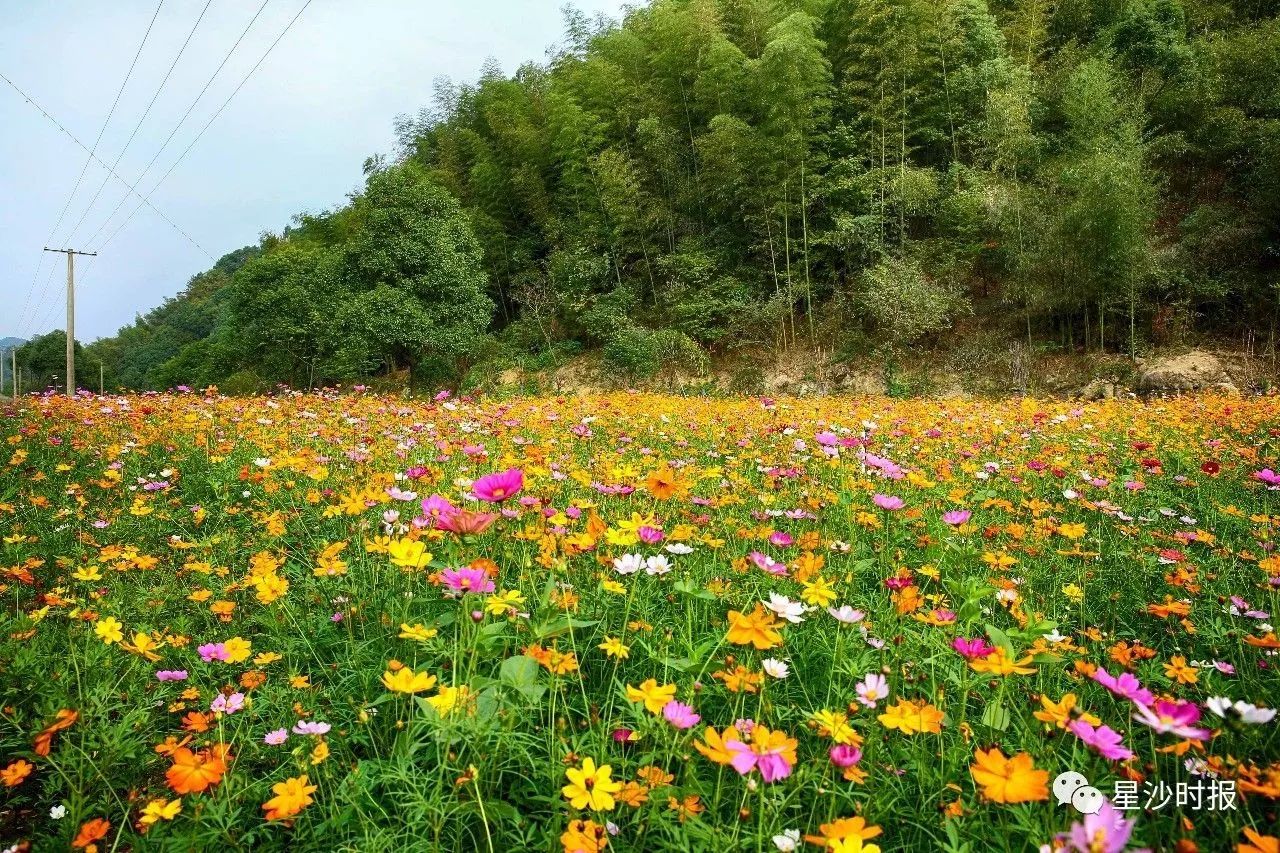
(495,488)
(780,538)
(972,649)
(276,737)
(680,715)
(212,651)
(889,503)
(826,438)
(1104,740)
(308,727)
(1175,718)
(171,675)
(1104,832)
(1125,685)
(649,535)
(467,580)
(1271,478)
(956,517)
(844,755)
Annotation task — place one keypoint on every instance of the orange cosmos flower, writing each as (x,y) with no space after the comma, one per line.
(759,629)
(90,832)
(584,836)
(193,772)
(1009,780)
(912,717)
(291,796)
(15,772)
(44,740)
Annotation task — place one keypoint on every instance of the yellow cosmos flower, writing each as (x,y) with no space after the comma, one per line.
(409,554)
(419,633)
(405,680)
(160,809)
(591,787)
(614,648)
(109,630)
(653,695)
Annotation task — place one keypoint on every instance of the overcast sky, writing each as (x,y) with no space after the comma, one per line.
(293,139)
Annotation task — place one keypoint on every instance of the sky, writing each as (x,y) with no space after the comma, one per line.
(293,139)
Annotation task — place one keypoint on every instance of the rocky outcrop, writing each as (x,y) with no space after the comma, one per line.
(1193,371)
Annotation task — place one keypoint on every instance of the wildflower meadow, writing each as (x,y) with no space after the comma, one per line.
(634,622)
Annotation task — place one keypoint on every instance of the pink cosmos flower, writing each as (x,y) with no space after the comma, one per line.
(888,503)
(844,755)
(465,522)
(467,580)
(495,488)
(771,763)
(956,517)
(1104,740)
(872,689)
(276,737)
(436,506)
(780,538)
(767,563)
(212,651)
(310,727)
(1176,718)
(227,704)
(680,715)
(1126,686)
(972,649)
(826,438)
(1104,832)
(171,675)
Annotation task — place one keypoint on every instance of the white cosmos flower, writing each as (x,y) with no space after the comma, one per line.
(1218,705)
(776,668)
(657,565)
(628,564)
(58,812)
(788,841)
(1251,713)
(846,614)
(785,608)
(679,548)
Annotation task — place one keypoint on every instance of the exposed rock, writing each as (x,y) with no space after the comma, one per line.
(1193,371)
(1098,389)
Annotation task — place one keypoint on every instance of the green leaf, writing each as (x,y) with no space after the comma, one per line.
(1000,638)
(996,716)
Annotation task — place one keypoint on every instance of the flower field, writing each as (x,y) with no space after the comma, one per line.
(638,623)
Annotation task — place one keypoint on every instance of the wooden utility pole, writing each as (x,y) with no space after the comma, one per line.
(71,314)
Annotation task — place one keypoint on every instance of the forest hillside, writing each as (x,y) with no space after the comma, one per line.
(707,181)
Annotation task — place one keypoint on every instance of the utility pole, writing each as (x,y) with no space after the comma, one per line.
(13,371)
(71,314)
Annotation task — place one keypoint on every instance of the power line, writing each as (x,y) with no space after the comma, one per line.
(142,119)
(181,121)
(211,120)
(94,157)
(84,168)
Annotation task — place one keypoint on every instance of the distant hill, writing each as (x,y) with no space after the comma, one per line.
(7,344)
